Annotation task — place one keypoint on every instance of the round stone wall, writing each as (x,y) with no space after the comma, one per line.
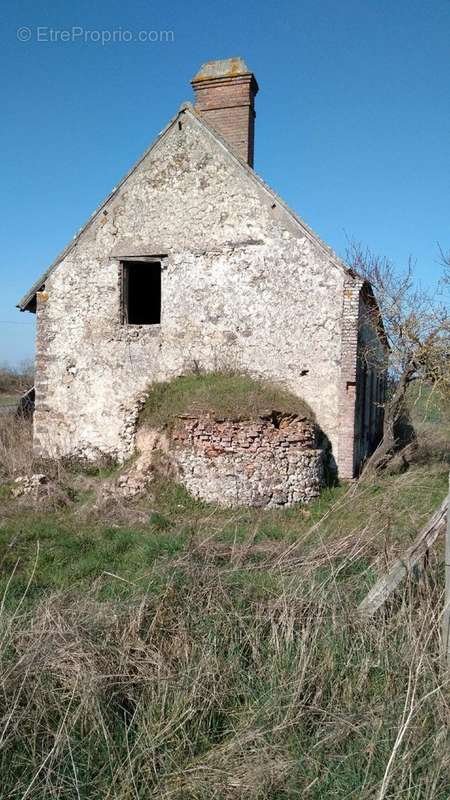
(271,461)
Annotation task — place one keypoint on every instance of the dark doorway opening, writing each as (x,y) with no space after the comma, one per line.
(141,292)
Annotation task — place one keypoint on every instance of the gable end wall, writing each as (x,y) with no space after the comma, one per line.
(242,287)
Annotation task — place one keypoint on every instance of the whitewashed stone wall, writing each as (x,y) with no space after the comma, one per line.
(248,462)
(242,286)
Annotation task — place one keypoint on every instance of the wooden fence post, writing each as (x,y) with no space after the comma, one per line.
(446,614)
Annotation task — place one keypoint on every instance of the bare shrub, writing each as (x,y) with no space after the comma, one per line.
(16,380)
(34,487)
(416,323)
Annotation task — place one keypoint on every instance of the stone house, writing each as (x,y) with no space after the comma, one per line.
(194,260)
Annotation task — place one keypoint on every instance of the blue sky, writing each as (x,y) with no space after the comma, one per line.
(352,121)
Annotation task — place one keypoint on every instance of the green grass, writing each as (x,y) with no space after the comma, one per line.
(57,553)
(220,681)
(428,407)
(214,653)
(429,412)
(75,551)
(9,399)
(224,394)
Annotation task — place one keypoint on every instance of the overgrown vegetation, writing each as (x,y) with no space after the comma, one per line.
(15,446)
(14,382)
(429,413)
(225,394)
(416,324)
(178,650)
(220,681)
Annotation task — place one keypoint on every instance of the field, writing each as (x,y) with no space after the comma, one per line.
(9,400)
(166,648)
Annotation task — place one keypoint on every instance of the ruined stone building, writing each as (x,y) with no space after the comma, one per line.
(194,260)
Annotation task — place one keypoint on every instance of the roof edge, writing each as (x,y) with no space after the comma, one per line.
(28,297)
(309,233)
(27,300)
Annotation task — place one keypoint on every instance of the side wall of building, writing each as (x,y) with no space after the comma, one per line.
(362,389)
(371,384)
(241,287)
(349,379)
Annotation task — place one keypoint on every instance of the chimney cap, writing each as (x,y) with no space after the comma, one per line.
(226,68)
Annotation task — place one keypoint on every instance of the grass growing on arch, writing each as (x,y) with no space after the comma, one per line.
(225,394)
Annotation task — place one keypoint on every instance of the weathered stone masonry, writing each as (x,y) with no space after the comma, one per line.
(272,461)
(242,286)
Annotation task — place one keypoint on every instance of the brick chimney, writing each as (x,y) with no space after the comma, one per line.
(224,95)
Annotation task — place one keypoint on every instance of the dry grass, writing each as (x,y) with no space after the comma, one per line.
(17,460)
(223,685)
(180,651)
(15,446)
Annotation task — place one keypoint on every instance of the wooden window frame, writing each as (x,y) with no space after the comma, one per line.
(123,285)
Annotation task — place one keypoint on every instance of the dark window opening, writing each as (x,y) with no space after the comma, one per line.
(141,292)
(362,401)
